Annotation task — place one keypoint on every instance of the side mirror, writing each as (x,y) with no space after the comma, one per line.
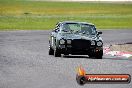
(99,32)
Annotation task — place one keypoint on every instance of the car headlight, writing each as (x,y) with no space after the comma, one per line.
(99,43)
(62,41)
(68,41)
(92,42)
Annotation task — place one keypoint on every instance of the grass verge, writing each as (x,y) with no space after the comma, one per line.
(33,15)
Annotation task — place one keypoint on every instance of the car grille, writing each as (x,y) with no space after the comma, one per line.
(80,44)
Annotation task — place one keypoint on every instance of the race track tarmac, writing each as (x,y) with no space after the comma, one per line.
(25,63)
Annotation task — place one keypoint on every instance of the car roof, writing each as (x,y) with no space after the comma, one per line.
(76,22)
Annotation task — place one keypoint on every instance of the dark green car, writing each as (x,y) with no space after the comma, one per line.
(75,38)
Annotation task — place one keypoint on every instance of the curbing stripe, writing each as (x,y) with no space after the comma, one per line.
(107,51)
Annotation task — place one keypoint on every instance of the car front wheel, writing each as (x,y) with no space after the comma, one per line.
(99,55)
(57,53)
(51,51)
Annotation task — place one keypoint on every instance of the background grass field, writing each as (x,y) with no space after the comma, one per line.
(33,15)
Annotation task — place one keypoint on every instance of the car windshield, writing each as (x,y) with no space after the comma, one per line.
(79,28)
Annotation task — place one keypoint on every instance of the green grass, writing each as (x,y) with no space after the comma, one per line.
(32,15)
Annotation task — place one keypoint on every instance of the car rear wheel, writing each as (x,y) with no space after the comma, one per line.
(51,51)
(57,53)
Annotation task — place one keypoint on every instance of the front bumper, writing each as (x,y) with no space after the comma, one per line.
(69,49)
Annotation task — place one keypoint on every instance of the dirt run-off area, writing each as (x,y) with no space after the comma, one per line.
(122,47)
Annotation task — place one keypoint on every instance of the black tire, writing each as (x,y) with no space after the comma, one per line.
(57,53)
(51,51)
(99,55)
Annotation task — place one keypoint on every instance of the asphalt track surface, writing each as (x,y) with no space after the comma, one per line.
(25,63)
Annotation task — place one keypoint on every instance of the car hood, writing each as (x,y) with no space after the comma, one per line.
(79,36)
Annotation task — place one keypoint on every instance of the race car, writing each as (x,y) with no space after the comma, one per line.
(75,38)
